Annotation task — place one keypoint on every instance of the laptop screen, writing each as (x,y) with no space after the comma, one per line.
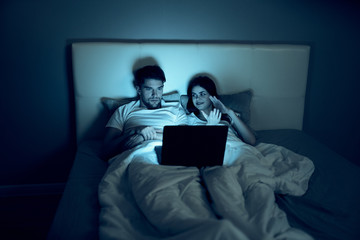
(197,146)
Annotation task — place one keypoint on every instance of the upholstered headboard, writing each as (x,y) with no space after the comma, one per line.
(277,75)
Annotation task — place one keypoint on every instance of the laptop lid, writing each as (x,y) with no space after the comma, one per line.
(193,145)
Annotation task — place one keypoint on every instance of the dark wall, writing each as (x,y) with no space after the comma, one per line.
(37,124)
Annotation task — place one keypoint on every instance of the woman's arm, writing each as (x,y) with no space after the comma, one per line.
(115,142)
(241,128)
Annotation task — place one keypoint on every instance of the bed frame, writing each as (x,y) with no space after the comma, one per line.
(277,75)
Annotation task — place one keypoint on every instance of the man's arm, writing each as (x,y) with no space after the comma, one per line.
(115,142)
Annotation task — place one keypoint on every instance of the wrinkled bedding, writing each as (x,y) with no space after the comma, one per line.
(140,199)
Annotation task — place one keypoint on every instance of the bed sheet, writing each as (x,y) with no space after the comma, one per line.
(330,208)
(77,216)
(141,199)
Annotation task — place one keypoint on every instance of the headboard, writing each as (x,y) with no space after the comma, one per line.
(276,73)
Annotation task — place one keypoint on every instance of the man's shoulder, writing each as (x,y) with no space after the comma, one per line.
(170,104)
(126,108)
(129,105)
(175,108)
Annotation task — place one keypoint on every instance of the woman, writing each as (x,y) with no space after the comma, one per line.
(206,108)
(247,183)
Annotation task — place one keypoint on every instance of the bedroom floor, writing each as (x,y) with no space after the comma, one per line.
(27,217)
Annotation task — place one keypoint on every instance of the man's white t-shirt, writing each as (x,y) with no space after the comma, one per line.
(131,115)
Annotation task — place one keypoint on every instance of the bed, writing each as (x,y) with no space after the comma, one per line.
(265,82)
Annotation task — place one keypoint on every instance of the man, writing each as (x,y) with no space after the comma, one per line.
(143,119)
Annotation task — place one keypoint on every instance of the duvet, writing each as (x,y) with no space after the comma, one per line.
(140,199)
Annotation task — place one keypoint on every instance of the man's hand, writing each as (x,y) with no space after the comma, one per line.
(213,118)
(148,133)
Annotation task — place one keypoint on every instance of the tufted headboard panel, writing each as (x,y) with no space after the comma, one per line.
(276,73)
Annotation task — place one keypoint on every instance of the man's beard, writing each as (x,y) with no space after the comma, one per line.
(151,106)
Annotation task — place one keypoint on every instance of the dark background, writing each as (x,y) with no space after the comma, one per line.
(37,113)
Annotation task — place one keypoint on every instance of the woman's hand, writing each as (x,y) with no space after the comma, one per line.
(219,105)
(213,118)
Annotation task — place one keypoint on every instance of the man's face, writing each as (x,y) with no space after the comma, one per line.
(151,93)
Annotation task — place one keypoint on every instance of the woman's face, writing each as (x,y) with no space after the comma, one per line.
(201,100)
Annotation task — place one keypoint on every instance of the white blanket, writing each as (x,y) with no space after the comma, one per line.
(140,199)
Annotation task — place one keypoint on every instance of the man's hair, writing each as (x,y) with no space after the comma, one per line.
(148,72)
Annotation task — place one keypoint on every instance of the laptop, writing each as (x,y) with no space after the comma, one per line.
(197,146)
